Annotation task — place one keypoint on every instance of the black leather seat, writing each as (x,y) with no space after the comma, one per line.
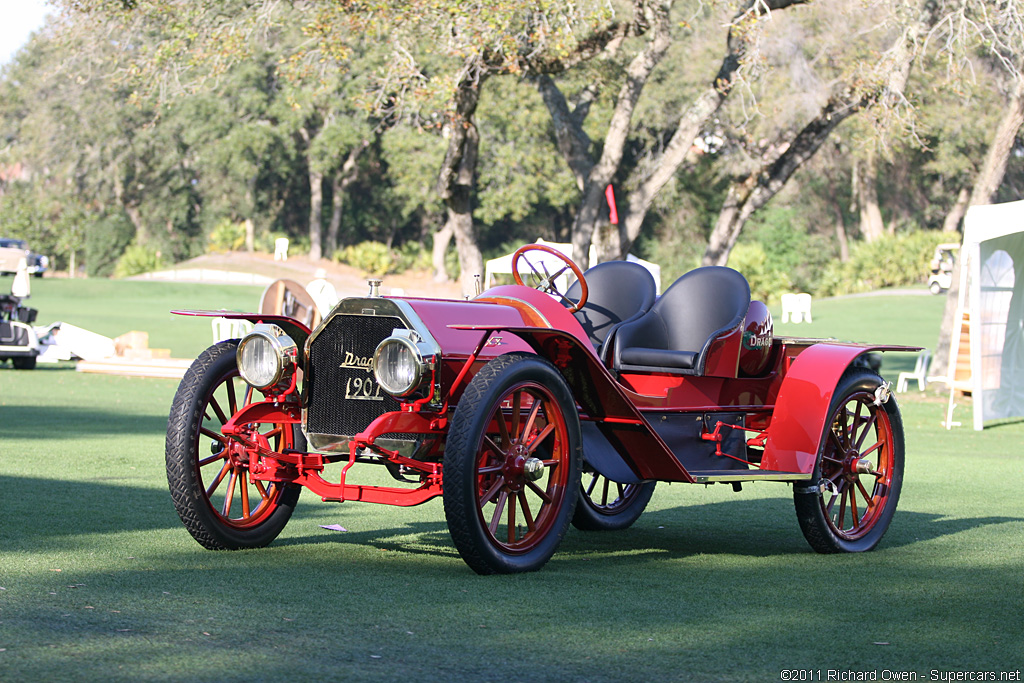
(675,335)
(619,291)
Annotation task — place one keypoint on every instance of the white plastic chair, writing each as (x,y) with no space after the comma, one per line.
(803,305)
(226,328)
(796,307)
(919,374)
(281,249)
(790,309)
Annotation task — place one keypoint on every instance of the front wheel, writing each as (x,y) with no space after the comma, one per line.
(851,498)
(219,502)
(607,505)
(512,466)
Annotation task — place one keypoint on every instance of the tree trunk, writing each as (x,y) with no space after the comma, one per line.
(703,107)
(989,178)
(746,197)
(340,183)
(871,225)
(442,238)
(316,210)
(759,187)
(590,214)
(956,214)
(456,180)
(334,226)
(250,235)
(841,238)
(250,223)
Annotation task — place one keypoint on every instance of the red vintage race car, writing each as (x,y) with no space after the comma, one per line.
(527,409)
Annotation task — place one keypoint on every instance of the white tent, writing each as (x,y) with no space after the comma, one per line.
(992,294)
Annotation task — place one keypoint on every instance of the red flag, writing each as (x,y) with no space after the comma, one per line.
(613,214)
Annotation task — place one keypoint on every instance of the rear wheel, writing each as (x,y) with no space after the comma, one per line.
(850,500)
(24,362)
(512,466)
(221,505)
(607,505)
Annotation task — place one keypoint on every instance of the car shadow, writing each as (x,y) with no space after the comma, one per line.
(755,528)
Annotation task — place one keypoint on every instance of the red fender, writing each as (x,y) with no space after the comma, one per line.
(295,329)
(798,421)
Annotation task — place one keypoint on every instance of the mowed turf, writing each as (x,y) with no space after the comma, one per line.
(100,581)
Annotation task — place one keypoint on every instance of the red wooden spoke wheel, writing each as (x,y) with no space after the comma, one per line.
(859,472)
(607,505)
(208,474)
(512,465)
(543,280)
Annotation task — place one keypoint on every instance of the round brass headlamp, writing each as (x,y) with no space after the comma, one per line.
(266,356)
(399,366)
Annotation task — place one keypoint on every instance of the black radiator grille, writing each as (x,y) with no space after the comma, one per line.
(342,395)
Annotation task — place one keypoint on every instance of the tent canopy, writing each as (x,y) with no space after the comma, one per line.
(992,296)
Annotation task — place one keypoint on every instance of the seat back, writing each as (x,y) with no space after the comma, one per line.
(619,291)
(676,334)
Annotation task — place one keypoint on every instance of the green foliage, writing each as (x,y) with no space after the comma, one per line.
(411,256)
(890,261)
(372,258)
(791,249)
(375,259)
(105,242)
(227,236)
(675,253)
(138,259)
(767,281)
(519,168)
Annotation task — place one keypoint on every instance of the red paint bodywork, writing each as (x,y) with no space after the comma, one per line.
(784,407)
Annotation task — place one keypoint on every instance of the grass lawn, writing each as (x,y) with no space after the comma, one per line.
(112,308)
(100,581)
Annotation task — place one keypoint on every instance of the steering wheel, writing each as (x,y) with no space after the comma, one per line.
(545,281)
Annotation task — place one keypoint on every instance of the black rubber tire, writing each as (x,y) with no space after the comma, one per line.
(213,529)
(464,482)
(594,512)
(24,362)
(822,525)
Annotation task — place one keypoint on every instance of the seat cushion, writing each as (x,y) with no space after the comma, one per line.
(658,358)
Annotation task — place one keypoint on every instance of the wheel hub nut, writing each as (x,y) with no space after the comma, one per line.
(533,469)
(864,466)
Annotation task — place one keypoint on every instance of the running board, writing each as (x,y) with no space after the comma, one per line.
(707,477)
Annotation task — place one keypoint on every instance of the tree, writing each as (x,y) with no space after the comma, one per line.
(493,39)
(595,176)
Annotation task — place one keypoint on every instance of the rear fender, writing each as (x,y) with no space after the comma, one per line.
(802,406)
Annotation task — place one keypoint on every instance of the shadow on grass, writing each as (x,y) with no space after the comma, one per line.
(713,528)
(74,422)
(764,527)
(40,514)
